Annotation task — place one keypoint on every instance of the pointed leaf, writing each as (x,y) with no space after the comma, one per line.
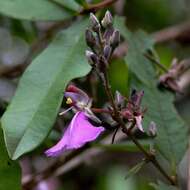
(81,2)
(136,48)
(71,4)
(34,108)
(34,10)
(171,139)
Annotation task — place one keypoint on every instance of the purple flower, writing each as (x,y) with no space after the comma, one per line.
(79,132)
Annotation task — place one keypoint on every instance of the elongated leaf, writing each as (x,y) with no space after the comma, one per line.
(10,173)
(33,10)
(136,46)
(81,2)
(171,139)
(33,110)
(71,4)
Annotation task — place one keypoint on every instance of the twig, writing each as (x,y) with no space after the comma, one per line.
(95,7)
(88,7)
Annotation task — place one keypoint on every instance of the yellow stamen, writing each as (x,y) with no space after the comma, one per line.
(69,101)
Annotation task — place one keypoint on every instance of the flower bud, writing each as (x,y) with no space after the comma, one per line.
(115,39)
(107,51)
(127,114)
(92,58)
(152,129)
(119,99)
(136,97)
(94,23)
(90,39)
(107,34)
(107,20)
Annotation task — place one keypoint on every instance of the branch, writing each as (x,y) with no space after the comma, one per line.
(96,7)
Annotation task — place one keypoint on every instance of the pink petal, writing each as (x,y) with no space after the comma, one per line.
(79,132)
(139,122)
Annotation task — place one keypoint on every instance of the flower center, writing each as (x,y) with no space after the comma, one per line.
(69,101)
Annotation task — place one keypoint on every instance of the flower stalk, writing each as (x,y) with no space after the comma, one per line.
(149,156)
(101,65)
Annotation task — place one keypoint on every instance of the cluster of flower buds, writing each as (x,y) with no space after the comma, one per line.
(102,39)
(132,111)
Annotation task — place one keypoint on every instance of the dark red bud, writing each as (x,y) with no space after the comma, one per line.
(127,114)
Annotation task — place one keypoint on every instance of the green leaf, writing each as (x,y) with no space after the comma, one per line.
(34,10)
(118,75)
(81,2)
(143,41)
(171,139)
(71,4)
(34,108)
(137,45)
(162,186)
(10,173)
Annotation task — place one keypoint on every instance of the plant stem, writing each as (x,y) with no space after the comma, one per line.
(95,7)
(150,157)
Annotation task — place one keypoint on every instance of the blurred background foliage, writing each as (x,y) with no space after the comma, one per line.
(105,172)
